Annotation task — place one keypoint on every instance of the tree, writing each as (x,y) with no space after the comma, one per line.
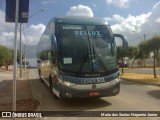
(143,50)
(121,54)
(154,46)
(5,56)
(43,55)
(132,52)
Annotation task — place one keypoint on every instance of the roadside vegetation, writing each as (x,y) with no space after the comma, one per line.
(6,56)
(146,49)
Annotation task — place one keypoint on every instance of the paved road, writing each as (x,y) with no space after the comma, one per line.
(141,70)
(133,97)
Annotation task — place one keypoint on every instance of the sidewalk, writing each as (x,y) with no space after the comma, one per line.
(24,99)
(141,78)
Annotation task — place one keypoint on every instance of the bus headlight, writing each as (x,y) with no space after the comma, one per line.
(115,81)
(66,83)
(118,80)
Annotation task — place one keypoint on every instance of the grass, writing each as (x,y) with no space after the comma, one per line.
(142,78)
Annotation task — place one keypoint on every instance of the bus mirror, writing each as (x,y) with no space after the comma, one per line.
(124,40)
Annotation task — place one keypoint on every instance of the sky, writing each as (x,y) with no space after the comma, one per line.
(132,18)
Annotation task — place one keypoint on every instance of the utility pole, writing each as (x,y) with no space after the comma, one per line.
(20,50)
(15,57)
(144,54)
(17,12)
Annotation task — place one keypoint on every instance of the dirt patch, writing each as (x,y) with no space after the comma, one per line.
(21,105)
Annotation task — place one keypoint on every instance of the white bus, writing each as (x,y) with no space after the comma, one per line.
(79,58)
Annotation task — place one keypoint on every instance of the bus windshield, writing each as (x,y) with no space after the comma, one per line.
(86,48)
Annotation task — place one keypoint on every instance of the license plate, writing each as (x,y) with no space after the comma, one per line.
(93,93)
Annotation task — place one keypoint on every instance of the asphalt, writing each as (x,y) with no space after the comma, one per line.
(23,85)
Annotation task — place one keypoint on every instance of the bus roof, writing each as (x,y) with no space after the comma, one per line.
(80,20)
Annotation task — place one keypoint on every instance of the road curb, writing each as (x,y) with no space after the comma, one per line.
(139,81)
(34,90)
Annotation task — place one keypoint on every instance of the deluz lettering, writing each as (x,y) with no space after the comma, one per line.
(93,81)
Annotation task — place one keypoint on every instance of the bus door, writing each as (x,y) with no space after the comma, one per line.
(54,64)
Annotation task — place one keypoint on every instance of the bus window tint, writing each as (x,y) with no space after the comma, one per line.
(90,44)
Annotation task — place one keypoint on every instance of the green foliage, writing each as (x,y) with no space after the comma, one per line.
(43,55)
(154,44)
(151,45)
(131,52)
(5,55)
(143,49)
(119,52)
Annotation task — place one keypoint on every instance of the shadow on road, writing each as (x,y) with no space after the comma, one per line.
(85,103)
(155,93)
(126,82)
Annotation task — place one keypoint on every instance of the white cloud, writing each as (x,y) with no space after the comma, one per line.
(134,27)
(108,19)
(118,18)
(7,39)
(131,23)
(80,10)
(33,34)
(157,20)
(119,3)
(30,36)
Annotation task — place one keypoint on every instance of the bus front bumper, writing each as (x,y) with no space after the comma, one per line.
(70,92)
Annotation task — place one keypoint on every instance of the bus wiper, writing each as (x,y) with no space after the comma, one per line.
(85,58)
(94,53)
(83,61)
